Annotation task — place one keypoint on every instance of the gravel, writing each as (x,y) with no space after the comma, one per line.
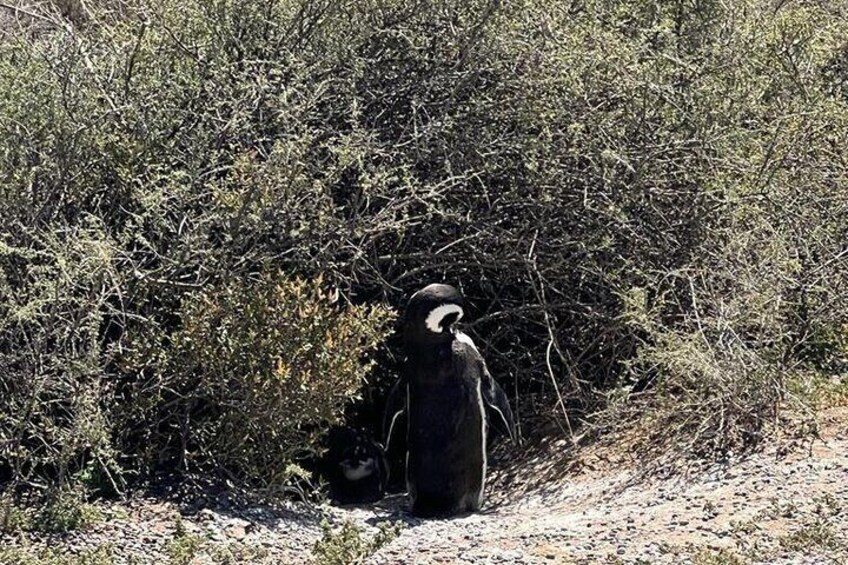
(782,505)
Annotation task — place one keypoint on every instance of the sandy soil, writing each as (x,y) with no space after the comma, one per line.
(785,504)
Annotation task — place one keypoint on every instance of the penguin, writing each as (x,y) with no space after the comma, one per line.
(449,402)
(355,467)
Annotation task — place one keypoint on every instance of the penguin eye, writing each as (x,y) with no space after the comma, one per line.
(449,320)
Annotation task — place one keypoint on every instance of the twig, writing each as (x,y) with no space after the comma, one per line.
(540,294)
(19,10)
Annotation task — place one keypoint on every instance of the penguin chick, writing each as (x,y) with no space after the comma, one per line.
(355,467)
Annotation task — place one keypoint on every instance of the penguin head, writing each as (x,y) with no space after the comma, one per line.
(431,314)
(358,466)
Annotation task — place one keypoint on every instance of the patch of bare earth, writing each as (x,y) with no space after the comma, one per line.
(785,504)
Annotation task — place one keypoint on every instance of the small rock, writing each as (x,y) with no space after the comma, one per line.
(236,531)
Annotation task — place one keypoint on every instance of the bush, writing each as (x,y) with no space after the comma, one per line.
(560,162)
(54,412)
(261,369)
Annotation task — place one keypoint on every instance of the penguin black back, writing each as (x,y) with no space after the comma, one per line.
(443,391)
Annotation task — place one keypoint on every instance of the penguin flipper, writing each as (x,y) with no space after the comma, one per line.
(497,405)
(395,408)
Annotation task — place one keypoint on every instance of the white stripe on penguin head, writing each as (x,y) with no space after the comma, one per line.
(437,315)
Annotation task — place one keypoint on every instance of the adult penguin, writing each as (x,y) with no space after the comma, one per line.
(448,399)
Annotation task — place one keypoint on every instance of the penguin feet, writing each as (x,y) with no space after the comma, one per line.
(440,506)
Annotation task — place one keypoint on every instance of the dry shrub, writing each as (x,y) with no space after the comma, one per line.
(54,413)
(269,366)
(553,159)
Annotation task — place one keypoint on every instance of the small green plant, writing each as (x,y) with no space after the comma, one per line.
(818,534)
(102,555)
(13,516)
(778,509)
(62,510)
(828,505)
(116,513)
(717,557)
(743,528)
(235,553)
(184,546)
(348,545)
(815,537)
(66,510)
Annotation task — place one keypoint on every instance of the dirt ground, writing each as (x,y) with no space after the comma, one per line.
(785,504)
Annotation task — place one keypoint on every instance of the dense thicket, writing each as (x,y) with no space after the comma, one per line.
(645,202)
